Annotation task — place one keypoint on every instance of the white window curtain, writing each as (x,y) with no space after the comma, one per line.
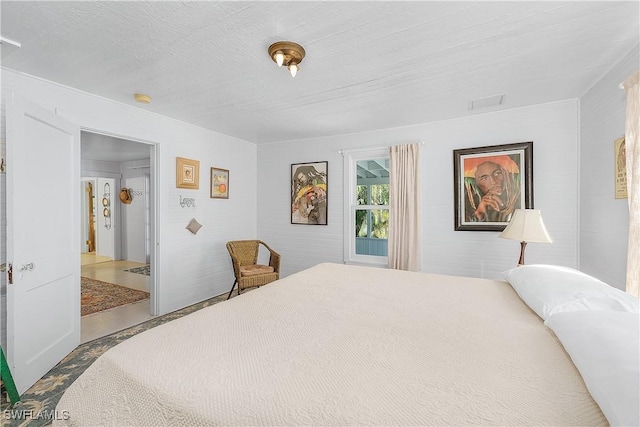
(404,207)
(632,143)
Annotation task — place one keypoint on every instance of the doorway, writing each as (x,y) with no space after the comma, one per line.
(121,252)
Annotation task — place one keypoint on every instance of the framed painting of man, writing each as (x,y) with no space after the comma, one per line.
(309,189)
(490,183)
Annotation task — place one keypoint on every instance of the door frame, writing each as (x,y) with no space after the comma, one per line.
(154,201)
(84,221)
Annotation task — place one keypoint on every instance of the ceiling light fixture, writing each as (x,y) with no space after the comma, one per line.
(289,54)
(140,97)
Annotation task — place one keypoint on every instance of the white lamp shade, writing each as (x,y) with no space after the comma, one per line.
(526,225)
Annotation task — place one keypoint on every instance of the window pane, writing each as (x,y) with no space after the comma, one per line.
(362,192)
(362,223)
(372,223)
(374,175)
(380,223)
(372,229)
(380,194)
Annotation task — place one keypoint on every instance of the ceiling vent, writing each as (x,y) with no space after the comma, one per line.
(490,101)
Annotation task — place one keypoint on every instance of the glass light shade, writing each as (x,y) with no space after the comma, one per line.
(279,56)
(293,69)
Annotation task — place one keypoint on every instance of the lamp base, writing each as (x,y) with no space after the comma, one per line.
(521,260)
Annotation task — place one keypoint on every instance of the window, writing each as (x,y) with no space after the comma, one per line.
(366,206)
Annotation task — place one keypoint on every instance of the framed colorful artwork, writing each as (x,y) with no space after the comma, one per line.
(219,183)
(309,193)
(187,173)
(490,183)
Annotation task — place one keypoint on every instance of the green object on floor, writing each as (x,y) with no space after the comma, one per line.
(7,379)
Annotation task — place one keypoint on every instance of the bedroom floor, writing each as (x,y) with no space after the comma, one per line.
(106,322)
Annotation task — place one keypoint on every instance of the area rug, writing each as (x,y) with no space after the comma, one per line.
(37,405)
(99,296)
(145,269)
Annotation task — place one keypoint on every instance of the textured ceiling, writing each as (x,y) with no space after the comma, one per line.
(369,64)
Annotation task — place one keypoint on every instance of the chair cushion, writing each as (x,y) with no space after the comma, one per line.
(254,270)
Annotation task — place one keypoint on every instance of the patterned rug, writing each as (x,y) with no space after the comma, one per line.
(98,296)
(37,405)
(145,269)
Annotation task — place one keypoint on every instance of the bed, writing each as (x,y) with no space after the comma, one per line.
(342,345)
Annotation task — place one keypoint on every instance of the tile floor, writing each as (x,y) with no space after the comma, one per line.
(106,322)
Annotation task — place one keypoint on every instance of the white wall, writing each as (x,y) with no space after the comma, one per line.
(134,220)
(135,231)
(94,168)
(190,267)
(553,128)
(604,220)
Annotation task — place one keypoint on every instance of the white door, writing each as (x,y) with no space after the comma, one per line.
(43,199)
(105,229)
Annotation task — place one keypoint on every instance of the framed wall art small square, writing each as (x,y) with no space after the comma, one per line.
(187,173)
(219,183)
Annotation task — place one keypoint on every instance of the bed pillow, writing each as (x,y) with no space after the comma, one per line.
(605,347)
(594,300)
(548,289)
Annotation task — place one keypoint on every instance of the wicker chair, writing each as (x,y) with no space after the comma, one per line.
(244,255)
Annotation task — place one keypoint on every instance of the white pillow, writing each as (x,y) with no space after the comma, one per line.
(548,289)
(611,300)
(605,347)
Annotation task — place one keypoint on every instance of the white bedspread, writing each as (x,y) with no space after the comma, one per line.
(342,345)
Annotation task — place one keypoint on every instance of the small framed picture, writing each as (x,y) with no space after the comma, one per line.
(219,183)
(490,183)
(620,168)
(309,193)
(187,173)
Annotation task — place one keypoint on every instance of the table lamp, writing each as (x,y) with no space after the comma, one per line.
(526,225)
